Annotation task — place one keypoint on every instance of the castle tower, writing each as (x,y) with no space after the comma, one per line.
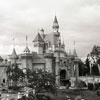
(13,57)
(26,58)
(55,25)
(76,63)
(26,49)
(74,52)
(63,45)
(42,33)
(39,44)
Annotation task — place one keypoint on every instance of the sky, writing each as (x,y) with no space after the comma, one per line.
(79,21)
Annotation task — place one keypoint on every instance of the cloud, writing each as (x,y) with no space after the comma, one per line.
(78,19)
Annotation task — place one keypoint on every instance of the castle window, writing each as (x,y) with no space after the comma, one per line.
(60,61)
(3,80)
(64,63)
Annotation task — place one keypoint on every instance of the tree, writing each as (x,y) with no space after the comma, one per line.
(42,81)
(13,74)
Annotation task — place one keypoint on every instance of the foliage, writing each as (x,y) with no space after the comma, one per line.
(42,81)
(14,74)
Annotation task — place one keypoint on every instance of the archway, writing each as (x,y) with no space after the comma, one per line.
(63,74)
(62,78)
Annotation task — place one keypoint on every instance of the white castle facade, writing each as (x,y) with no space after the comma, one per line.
(50,56)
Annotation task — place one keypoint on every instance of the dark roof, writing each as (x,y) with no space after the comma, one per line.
(51,38)
(55,23)
(1,58)
(38,38)
(42,30)
(27,49)
(55,20)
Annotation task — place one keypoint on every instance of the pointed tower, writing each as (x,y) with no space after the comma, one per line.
(63,45)
(42,33)
(76,64)
(26,49)
(39,44)
(26,58)
(13,57)
(55,25)
(74,52)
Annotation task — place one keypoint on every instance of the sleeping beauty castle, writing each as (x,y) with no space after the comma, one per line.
(50,56)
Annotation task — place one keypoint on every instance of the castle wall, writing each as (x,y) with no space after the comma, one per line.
(25,63)
(49,64)
(38,66)
(57,72)
(39,50)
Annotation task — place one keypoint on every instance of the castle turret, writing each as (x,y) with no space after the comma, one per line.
(55,25)
(42,33)
(39,44)
(13,57)
(75,53)
(27,50)
(63,45)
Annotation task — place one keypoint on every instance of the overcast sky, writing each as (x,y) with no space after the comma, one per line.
(79,20)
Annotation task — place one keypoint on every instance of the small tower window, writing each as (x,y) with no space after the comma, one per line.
(3,80)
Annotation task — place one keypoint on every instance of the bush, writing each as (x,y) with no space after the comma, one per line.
(90,86)
(96,86)
(80,84)
(98,93)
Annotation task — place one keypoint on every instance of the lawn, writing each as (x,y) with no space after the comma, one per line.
(87,94)
(61,95)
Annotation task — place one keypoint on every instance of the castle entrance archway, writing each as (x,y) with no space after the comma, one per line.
(63,80)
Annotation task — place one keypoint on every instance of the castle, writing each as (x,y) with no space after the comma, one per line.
(50,56)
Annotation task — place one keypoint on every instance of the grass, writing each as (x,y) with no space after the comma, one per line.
(88,95)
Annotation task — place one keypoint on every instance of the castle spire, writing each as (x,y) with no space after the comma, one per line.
(55,20)
(63,44)
(55,25)
(26,49)
(74,52)
(13,56)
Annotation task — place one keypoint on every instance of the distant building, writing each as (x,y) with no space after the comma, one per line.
(50,56)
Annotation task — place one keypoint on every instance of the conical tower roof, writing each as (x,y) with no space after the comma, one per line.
(1,58)
(27,50)
(14,54)
(38,38)
(55,20)
(74,53)
(55,23)
(42,30)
